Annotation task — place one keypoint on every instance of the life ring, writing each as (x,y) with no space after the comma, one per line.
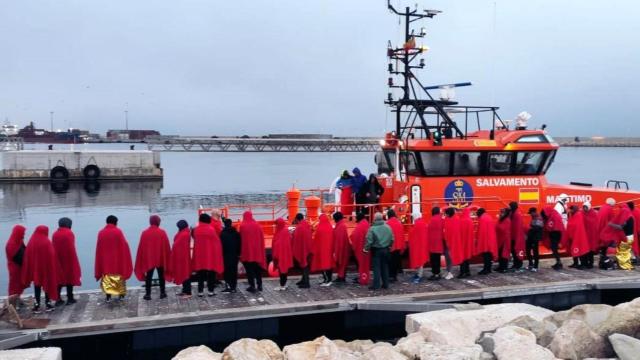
(91,172)
(59,173)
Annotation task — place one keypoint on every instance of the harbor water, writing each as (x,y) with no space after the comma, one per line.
(212,179)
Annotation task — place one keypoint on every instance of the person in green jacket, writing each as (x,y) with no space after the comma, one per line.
(379,241)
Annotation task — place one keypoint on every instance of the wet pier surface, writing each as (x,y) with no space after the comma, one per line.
(92,315)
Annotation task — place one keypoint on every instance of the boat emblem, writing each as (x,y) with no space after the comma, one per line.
(458,194)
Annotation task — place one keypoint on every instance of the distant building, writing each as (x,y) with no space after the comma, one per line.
(130,134)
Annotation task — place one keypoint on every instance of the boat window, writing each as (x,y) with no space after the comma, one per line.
(538,138)
(550,157)
(435,163)
(500,163)
(411,164)
(467,163)
(385,160)
(528,163)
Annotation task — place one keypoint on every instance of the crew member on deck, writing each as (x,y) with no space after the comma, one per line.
(465,250)
(302,245)
(341,248)
(503,237)
(323,250)
(154,253)
(418,252)
(252,251)
(281,252)
(207,254)
(575,240)
(41,267)
(180,264)
(591,227)
(435,244)
(15,257)
(561,208)
(487,244)
(379,240)
(534,235)
(605,233)
(517,237)
(358,239)
(64,243)
(554,228)
(230,238)
(113,265)
(398,245)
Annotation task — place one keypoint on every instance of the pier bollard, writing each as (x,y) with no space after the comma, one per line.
(293,203)
(312,203)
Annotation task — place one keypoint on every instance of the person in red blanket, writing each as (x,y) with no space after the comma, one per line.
(358,239)
(252,251)
(466,243)
(15,257)
(554,226)
(281,252)
(398,245)
(341,247)
(636,220)
(606,234)
(323,250)
(113,265)
(207,254)
(575,238)
(487,244)
(591,227)
(301,245)
(518,242)
(503,237)
(418,253)
(41,267)
(452,239)
(534,235)
(180,263)
(435,243)
(154,253)
(64,243)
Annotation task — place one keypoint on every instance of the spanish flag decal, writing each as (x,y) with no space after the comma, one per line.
(529,196)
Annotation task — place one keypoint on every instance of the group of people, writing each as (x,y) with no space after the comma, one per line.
(355,191)
(214,247)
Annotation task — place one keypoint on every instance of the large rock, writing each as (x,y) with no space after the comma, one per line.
(512,342)
(197,353)
(357,347)
(382,352)
(626,347)
(50,353)
(460,328)
(592,314)
(252,349)
(543,330)
(319,349)
(623,319)
(410,345)
(447,352)
(487,342)
(575,340)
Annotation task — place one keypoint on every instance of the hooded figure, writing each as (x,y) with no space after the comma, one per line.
(452,235)
(302,245)
(281,252)
(435,242)
(605,216)
(64,243)
(41,267)
(15,258)
(358,239)
(636,221)
(418,253)
(252,250)
(341,247)
(623,226)
(372,190)
(154,252)
(575,238)
(487,244)
(345,184)
(113,259)
(180,263)
(358,180)
(518,242)
(323,249)
(207,254)
(398,244)
(230,238)
(554,227)
(466,242)
(503,237)
(216,221)
(591,226)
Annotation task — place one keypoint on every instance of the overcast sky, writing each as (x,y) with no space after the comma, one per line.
(255,67)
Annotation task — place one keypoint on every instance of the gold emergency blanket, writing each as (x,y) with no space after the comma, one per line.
(623,255)
(113,285)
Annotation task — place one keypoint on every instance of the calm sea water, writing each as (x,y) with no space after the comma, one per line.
(193,179)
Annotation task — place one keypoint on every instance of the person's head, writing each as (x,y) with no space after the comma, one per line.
(345,174)
(299,217)
(504,213)
(563,198)
(228,224)
(391,213)
(204,218)
(65,222)
(154,220)
(215,214)
(359,216)
(573,209)
(513,206)
(378,216)
(631,205)
(356,171)
(449,212)
(610,201)
(435,211)
(373,178)
(112,219)
(586,206)
(337,216)
(182,224)
(480,212)
(532,211)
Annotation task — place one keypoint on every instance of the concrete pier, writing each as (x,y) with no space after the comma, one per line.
(39,165)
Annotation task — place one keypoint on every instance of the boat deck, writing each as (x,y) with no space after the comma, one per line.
(91,315)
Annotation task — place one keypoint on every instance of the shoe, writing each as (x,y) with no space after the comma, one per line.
(163,295)
(355,280)
(277,288)
(484,272)
(36,309)
(467,274)
(184,296)
(252,290)
(502,271)
(393,279)
(327,284)
(557,266)
(210,294)
(460,275)
(304,286)
(48,307)
(121,297)
(59,302)
(416,280)
(533,269)
(449,276)
(107,299)
(71,301)
(200,294)
(147,297)
(259,287)
(299,283)
(228,291)
(574,265)
(434,277)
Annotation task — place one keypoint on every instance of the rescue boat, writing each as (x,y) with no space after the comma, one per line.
(445,154)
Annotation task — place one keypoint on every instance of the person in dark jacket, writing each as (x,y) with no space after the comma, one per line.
(534,235)
(358,181)
(371,191)
(230,238)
